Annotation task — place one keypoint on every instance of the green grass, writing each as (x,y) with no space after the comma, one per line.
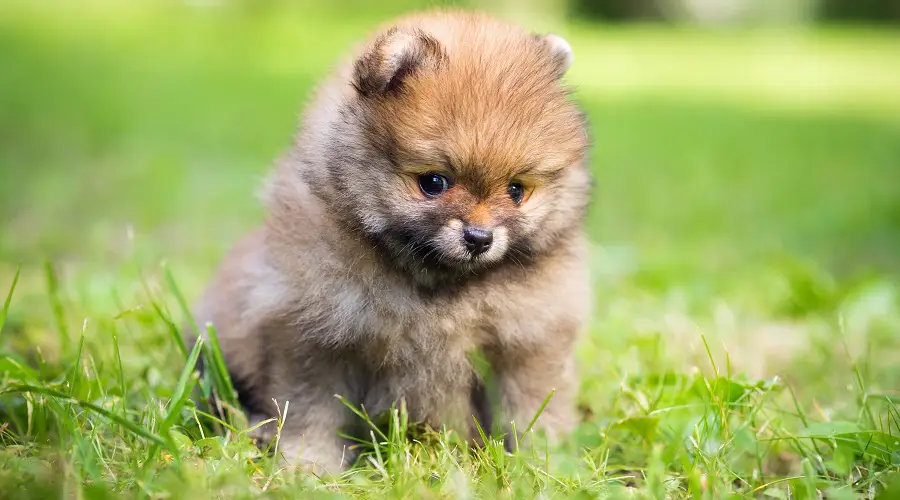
(746,233)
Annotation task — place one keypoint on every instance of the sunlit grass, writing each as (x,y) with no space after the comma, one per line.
(813,71)
(747,321)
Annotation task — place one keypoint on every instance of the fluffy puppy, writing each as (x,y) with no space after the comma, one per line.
(431,204)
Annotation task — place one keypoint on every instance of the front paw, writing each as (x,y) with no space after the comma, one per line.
(322,458)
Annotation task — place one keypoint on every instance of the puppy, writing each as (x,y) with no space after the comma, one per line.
(431,204)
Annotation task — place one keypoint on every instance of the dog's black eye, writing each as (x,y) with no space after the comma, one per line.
(516,191)
(433,184)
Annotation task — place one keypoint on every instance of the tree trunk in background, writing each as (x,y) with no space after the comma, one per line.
(725,12)
(887,11)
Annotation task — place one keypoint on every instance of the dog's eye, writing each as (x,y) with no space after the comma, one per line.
(433,184)
(516,191)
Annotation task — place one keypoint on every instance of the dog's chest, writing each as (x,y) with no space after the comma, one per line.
(398,328)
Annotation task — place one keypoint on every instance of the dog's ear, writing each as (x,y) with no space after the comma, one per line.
(393,58)
(559,50)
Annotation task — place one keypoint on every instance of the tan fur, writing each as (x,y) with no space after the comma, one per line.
(328,298)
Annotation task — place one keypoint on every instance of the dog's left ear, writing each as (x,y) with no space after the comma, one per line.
(560,51)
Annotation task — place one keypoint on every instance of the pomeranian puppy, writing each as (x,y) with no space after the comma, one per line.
(431,205)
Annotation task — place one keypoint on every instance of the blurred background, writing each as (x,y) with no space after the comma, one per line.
(746,150)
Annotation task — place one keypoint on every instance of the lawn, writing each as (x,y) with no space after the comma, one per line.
(746,251)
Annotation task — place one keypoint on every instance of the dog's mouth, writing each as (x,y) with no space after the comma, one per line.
(432,256)
(427,256)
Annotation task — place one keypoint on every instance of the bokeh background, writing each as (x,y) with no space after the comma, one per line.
(747,209)
(747,161)
(727,131)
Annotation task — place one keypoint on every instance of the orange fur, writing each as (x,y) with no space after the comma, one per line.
(493,103)
(480,216)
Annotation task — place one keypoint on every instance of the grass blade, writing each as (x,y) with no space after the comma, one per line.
(56,304)
(539,412)
(219,370)
(364,416)
(183,388)
(131,426)
(121,371)
(9,295)
(179,398)
(171,327)
(75,375)
(182,303)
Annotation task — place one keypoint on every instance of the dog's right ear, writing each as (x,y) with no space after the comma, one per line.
(396,56)
(560,51)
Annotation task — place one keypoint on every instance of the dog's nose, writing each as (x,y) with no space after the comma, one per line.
(478,240)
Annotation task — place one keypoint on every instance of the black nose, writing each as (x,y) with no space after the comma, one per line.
(478,240)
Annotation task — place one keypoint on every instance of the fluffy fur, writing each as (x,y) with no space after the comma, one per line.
(359,284)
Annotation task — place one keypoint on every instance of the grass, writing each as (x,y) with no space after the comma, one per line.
(745,230)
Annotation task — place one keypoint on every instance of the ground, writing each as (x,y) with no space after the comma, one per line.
(745,233)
